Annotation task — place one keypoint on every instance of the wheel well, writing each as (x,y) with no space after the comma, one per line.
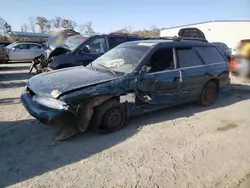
(216,81)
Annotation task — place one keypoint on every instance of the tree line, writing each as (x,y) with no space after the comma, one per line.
(42,25)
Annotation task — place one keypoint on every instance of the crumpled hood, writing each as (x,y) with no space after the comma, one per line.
(58,61)
(57,82)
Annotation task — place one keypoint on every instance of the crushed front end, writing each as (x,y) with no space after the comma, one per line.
(50,111)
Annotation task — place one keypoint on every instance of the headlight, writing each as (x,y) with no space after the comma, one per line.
(49,102)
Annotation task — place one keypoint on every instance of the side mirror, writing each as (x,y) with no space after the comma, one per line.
(144,70)
(13,49)
(84,50)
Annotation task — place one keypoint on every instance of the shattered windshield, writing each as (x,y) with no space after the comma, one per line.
(122,59)
(74,41)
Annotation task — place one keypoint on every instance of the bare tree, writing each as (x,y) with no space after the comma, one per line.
(43,24)
(56,22)
(129,29)
(2,21)
(24,27)
(4,27)
(81,28)
(66,23)
(32,24)
(86,28)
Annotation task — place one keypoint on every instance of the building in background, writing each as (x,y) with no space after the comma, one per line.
(27,36)
(227,31)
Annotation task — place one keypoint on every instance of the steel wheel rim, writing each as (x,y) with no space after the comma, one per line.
(112,118)
(210,93)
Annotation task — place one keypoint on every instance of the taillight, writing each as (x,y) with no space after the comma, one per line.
(233,65)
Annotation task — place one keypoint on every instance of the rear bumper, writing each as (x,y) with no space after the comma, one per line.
(43,114)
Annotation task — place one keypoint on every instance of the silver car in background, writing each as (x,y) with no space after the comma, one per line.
(23,51)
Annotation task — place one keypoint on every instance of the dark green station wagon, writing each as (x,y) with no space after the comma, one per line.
(132,79)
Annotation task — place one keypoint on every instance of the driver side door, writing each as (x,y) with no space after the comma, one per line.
(95,47)
(162,85)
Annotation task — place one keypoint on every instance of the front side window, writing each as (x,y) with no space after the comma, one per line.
(210,55)
(187,57)
(21,47)
(122,59)
(161,60)
(97,45)
(74,41)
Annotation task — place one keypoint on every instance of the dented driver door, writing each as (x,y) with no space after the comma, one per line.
(162,88)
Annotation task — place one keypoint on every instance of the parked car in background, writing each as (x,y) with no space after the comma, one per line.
(131,79)
(240,59)
(3,56)
(23,51)
(86,49)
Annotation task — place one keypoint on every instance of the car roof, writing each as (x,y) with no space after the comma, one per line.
(118,35)
(172,43)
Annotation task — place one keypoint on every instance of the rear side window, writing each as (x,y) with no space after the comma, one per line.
(132,39)
(34,46)
(210,55)
(115,41)
(187,57)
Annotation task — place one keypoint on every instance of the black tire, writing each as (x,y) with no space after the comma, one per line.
(208,94)
(6,61)
(108,117)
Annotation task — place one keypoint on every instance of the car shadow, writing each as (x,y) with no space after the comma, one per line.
(12,84)
(7,101)
(28,150)
(226,97)
(14,76)
(11,68)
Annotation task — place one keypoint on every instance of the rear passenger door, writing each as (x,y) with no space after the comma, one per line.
(217,64)
(194,73)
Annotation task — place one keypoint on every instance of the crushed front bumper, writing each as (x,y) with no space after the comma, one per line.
(43,114)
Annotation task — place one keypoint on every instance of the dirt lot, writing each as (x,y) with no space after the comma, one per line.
(185,147)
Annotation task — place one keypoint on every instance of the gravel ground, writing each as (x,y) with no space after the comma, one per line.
(182,147)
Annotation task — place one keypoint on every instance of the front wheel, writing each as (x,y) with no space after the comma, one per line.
(108,117)
(208,94)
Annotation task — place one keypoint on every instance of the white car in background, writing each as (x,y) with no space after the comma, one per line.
(23,51)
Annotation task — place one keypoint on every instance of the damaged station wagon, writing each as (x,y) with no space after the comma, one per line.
(132,79)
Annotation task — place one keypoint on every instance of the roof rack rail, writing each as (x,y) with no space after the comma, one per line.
(177,38)
(128,34)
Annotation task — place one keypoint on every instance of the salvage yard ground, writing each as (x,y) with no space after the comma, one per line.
(185,147)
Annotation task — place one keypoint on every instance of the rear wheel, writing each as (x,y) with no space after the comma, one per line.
(208,94)
(108,117)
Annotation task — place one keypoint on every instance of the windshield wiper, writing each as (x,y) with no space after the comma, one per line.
(110,70)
